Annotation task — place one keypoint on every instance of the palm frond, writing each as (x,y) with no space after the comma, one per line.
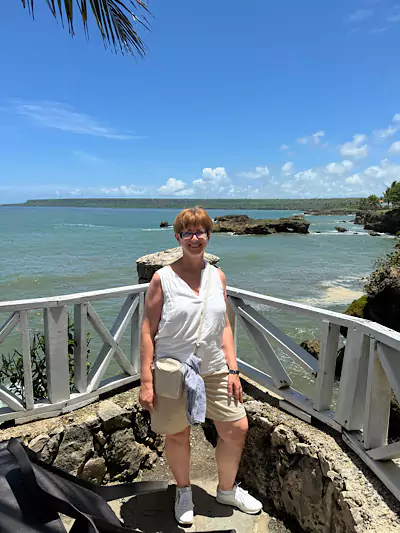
(116,20)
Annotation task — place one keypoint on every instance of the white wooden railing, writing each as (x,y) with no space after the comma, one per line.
(371,365)
(87,386)
(370,373)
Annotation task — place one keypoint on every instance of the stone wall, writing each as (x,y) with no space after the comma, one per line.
(310,475)
(107,441)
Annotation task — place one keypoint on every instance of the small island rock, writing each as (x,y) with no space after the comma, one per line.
(340,229)
(164,224)
(244,225)
(148,264)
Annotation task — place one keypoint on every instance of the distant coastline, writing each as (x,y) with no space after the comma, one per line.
(324,206)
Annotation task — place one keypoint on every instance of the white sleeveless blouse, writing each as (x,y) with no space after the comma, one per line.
(180,320)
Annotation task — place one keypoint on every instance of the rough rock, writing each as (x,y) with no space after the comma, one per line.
(164,224)
(50,450)
(38,443)
(93,423)
(382,301)
(313,347)
(125,456)
(374,234)
(382,222)
(94,470)
(148,264)
(340,229)
(112,416)
(244,225)
(74,449)
(310,476)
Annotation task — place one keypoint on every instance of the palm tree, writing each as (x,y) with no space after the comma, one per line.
(116,20)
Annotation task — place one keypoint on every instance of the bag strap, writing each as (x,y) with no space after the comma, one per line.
(203,311)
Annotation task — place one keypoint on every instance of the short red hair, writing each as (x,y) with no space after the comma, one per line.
(192,217)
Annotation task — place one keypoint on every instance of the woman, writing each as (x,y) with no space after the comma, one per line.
(173,309)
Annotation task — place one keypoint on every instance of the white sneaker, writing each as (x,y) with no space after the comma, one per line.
(237,497)
(184,506)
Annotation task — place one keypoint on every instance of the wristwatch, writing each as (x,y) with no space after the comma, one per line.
(236,372)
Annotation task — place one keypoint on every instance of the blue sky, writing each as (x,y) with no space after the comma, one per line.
(262,99)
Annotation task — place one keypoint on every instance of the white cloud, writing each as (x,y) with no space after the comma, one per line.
(88,158)
(339,168)
(287,168)
(215,175)
(172,186)
(355,179)
(396,117)
(395,148)
(124,190)
(394,14)
(260,172)
(63,117)
(360,15)
(384,134)
(306,175)
(375,177)
(314,138)
(185,192)
(284,147)
(355,148)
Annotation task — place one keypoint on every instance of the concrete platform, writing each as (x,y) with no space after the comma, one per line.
(140,513)
(154,513)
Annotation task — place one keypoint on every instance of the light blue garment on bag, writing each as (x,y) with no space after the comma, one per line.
(195,391)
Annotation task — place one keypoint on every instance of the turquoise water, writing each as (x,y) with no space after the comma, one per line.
(52,251)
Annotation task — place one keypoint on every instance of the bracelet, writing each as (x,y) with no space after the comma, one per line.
(236,372)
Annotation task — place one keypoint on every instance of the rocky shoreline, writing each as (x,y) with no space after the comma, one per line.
(379,222)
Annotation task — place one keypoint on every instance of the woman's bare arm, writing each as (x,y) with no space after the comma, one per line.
(228,344)
(228,347)
(151,320)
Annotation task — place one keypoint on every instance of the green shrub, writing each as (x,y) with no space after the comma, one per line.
(356,308)
(12,366)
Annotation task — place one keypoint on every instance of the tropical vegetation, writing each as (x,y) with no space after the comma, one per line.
(12,365)
(392,194)
(117,20)
(371,203)
(344,205)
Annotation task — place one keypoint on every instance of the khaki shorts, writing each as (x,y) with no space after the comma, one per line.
(169,416)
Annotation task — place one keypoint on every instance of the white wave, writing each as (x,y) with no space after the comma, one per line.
(333,296)
(80,226)
(155,229)
(334,232)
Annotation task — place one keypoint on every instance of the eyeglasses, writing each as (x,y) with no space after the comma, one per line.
(187,235)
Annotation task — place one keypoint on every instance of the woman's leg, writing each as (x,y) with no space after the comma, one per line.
(177,451)
(232,436)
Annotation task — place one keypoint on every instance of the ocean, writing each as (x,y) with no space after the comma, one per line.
(53,251)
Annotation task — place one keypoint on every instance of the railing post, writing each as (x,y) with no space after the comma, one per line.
(136,324)
(80,348)
(327,364)
(350,406)
(27,363)
(377,406)
(233,320)
(56,338)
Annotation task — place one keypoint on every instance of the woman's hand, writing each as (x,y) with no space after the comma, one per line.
(235,388)
(147,397)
